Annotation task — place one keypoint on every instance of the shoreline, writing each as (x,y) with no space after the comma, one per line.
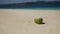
(22,21)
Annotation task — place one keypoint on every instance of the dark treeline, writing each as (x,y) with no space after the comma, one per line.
(33,4)
(37,2)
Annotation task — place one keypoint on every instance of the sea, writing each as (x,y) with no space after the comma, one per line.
(30,6)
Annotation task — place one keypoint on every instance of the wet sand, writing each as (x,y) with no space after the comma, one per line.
(22,21)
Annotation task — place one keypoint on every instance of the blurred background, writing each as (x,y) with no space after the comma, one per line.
(21,1)
(33,4)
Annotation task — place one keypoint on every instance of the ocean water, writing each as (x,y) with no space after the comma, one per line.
(30,6)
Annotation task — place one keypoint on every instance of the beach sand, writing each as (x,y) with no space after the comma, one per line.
(15,21)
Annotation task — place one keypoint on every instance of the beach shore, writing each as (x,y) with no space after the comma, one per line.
(22,21)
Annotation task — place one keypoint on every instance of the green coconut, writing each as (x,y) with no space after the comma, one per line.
(38,20)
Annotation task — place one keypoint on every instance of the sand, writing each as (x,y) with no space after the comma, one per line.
(15,21)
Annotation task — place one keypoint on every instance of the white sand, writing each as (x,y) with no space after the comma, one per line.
(22,22)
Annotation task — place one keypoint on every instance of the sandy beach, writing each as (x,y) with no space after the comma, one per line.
(22,21)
